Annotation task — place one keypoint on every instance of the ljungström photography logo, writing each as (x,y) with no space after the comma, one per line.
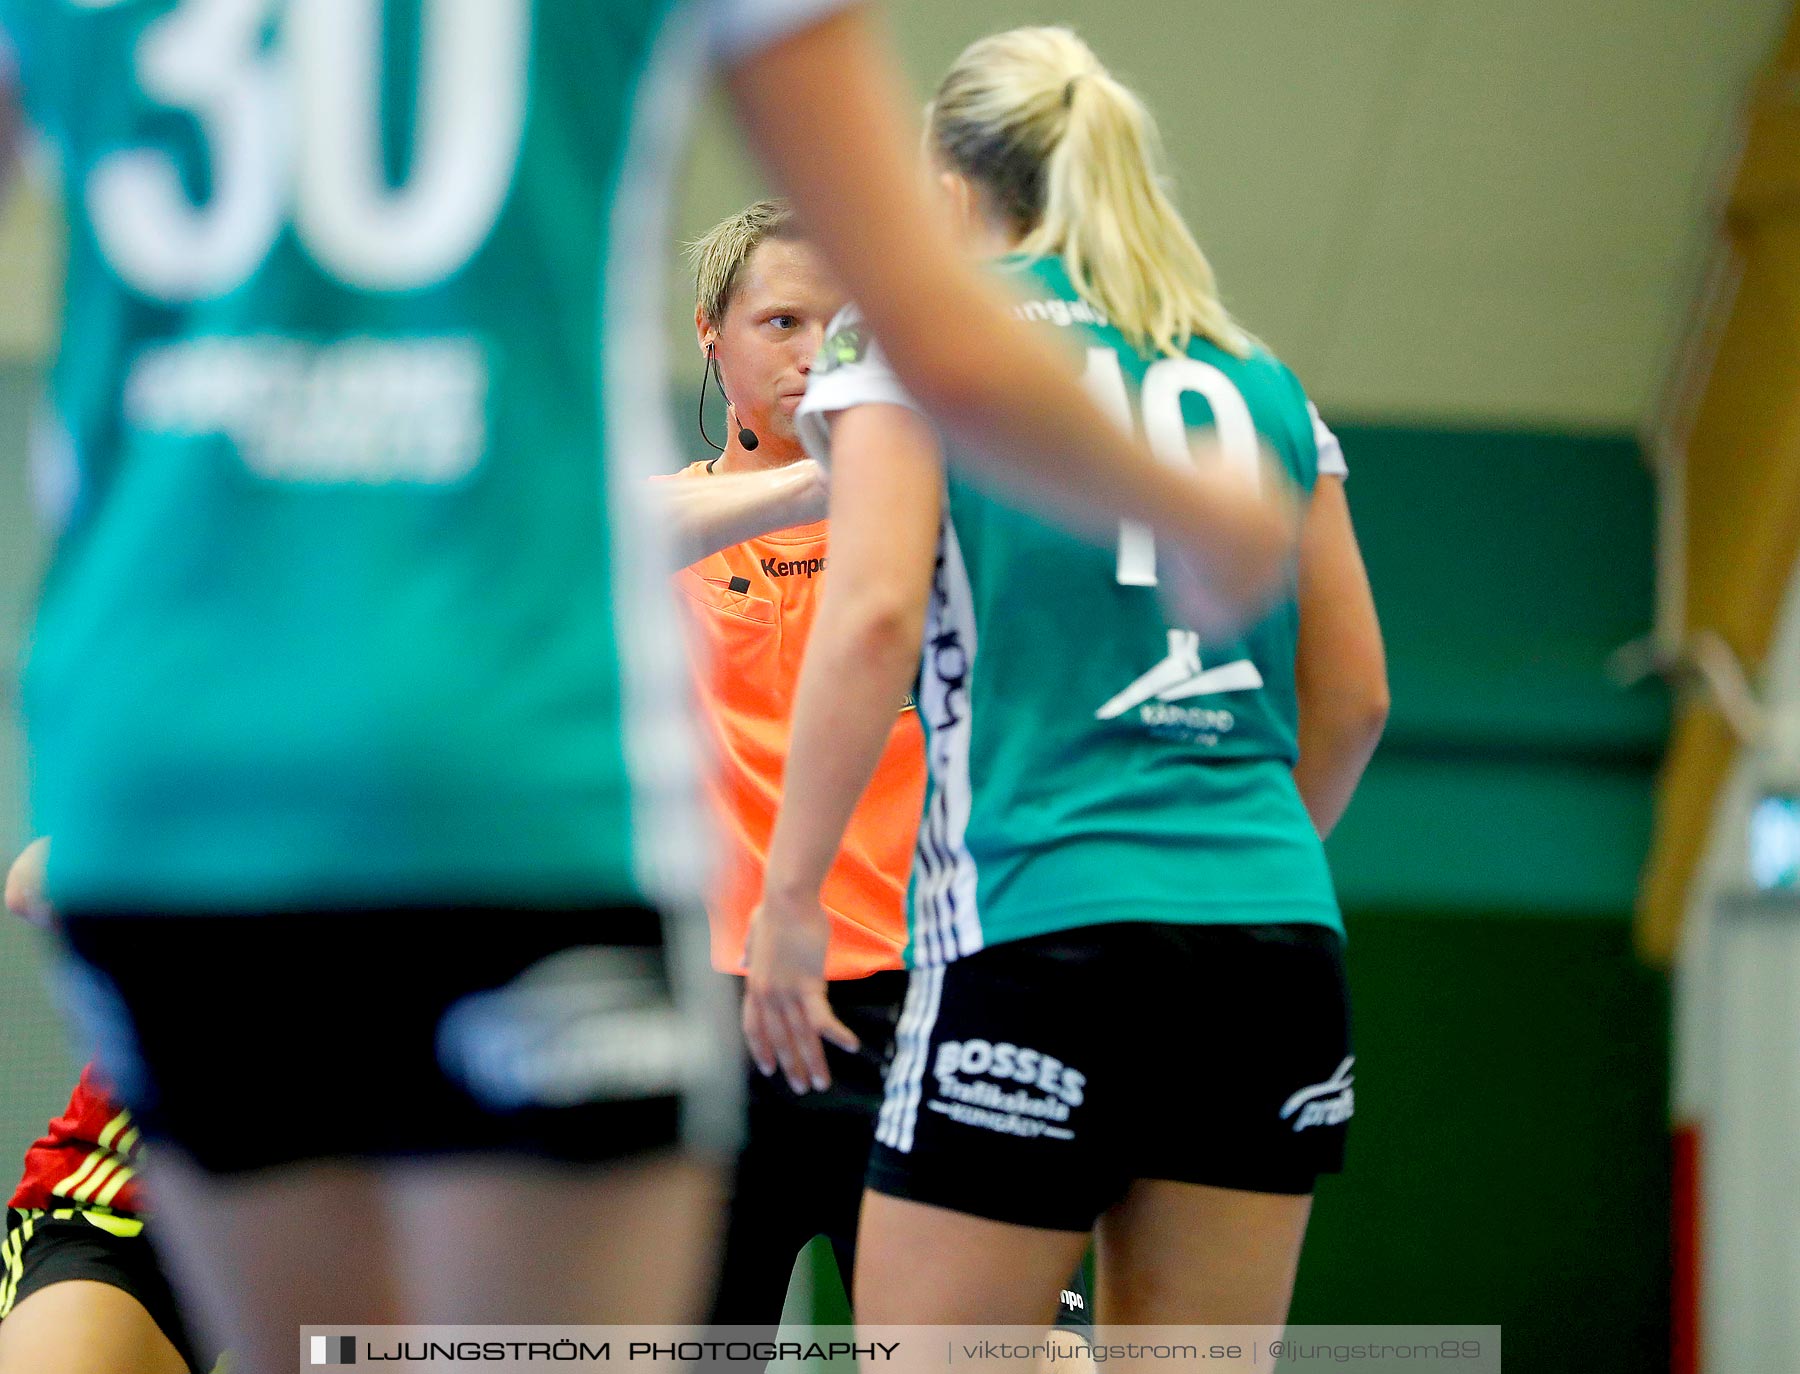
(334,1350)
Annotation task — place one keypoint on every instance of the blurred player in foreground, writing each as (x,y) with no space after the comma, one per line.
(81,1291)
(355,665)
(1128,1004)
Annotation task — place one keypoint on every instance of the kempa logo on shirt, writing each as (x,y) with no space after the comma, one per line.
(1330,1103)
(1181,675)
(799,567)
(986,1104)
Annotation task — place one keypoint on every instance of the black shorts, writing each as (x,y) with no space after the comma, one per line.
(1035,1081)
(260,1040)
(803,1165)
(42,1248)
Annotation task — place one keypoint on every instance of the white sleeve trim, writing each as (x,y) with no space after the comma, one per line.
(827,396)
(739,28)
(1331,452)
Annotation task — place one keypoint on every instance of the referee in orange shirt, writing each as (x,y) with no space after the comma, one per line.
(753,516)
(764,299)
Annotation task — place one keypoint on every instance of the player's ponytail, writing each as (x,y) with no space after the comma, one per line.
(1071,157)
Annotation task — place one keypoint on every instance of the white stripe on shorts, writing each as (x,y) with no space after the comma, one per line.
(900,1103)
(903,1050)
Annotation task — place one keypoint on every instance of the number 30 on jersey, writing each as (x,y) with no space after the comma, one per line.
(292,132)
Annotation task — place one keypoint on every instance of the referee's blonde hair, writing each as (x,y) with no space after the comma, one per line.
(1071,157)
(719,255)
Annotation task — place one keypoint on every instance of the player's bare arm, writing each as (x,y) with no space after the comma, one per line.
(25,884)
(1340,668)
(863,653)
(707,514)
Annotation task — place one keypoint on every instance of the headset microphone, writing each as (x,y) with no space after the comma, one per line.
(746,436)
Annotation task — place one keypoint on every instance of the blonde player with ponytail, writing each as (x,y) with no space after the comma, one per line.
(1127,1012)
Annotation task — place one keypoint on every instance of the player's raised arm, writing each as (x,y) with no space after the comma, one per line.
(727,509)
(1010,397)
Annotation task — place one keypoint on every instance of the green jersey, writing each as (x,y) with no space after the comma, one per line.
(1090,761)
(359,386)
